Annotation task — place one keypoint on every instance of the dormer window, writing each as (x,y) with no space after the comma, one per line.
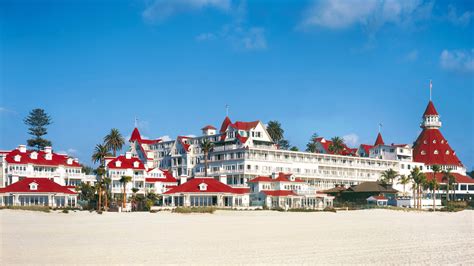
(33,186)
(434,141)
(48,156)
(17,158)
(203,186)
(135,164)
(447,152)
(34,155)
(436,152)
(423,152)
(69,160)
(425,142)
(118,164)
(442,141)
(292,178)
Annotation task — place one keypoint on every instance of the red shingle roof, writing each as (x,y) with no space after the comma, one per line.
(430,142)
(245,125)
(168,178)
(327,143)
(56,159)
(126,163)
(379,140)
(282,177)
(137,137)
(430,109)
(208,127)
(459,178)
(44,185)
(213,186)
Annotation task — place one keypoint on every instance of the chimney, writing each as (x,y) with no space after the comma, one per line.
(223,179)
(76,160)
(22,148)
(48,150)
(69,160)
(183,179)
(128,155)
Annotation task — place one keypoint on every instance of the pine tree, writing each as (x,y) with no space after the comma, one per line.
(37,121)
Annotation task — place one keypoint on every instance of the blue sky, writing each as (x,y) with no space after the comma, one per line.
(338,68)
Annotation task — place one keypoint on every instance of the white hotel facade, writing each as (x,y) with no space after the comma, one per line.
(245,150)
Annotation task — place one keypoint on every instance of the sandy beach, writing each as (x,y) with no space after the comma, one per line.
(229,237)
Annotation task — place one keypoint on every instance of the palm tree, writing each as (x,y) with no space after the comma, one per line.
(436,169)
(446,179)
(337,145)
(114,141)
(388,176)
(275,131)
(134,197)
(311,145)
(98,188)
(434,185)
(100,185)
(418,179)
(452,185)
(404,180)
(124,180)
(106,181)
(206,147)
(100,152)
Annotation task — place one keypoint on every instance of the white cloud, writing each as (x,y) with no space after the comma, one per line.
(459,20)
(165,138)
(238,33)
(6,111)
(372,14)
(351,140)
(159,10)
(461,61)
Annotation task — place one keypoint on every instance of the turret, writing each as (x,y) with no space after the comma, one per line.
(430,117)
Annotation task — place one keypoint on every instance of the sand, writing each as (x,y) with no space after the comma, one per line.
(231,237)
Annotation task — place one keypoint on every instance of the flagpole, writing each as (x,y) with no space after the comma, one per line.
(431,87)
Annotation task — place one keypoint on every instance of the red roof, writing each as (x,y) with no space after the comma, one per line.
(44,186)
(459,178)
(379,140)
(213,186)
(246,126)
(282,177)
(430,109)
(208,127)
(185,145)
(430,141)
(278,193)
(168,178)
(126,163)
(327,143)
(366,148)
(225,124)
(56,159)
(137,137)
(380,197)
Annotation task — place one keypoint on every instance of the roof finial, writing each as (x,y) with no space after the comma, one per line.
(227,110)
(431,88)
(380,127)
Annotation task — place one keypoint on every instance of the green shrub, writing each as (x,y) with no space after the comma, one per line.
(329,209)
(194,210)
(65,211)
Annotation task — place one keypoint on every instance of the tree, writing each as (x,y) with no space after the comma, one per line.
(86,193)
(294,148)
(418,179)
(114,141)
(436,169)
(87,169)
(447,179)
(404,180)
(134,198)
(206,147)
(311,145)
(471,174)
(100,152)
(434,185)
(106,181)
(337,145)
(37,120)
(275,131)
(388,176)
(283,144)
(124,180)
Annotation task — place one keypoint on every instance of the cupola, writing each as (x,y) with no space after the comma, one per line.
(430,117)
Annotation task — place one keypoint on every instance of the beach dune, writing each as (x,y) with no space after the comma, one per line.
(237,237)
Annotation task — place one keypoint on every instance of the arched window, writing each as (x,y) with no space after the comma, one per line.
(434,141)
(423,153)
(447,152)
(436,152)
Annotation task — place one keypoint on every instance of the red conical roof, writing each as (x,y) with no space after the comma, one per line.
(430,109)
(379,140)
(135,135)
(432,148)
(225,124)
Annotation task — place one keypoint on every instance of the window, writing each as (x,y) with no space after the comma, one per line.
(436,152)
(447,152)
(423,152)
